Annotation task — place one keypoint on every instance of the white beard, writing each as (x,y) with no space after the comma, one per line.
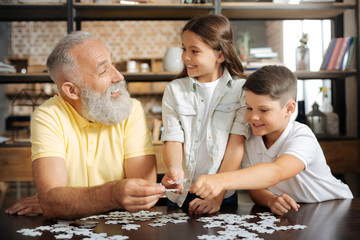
(102,108)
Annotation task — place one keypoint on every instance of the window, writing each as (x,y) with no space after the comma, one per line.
(319,36)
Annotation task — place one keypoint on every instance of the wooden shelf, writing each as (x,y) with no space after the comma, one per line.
(271,11)
(153,11)
(33,12)
(143,11)
(324,74)
(149,77)
(25,78)
(162,76)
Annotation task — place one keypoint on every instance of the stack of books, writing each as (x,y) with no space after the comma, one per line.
(339,54)
(6,68)
(259,57)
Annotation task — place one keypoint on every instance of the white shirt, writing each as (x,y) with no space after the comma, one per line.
(203,157)
(315,183)
(183,114)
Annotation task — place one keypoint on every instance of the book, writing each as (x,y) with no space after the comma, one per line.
(346,54)
(335,54)
(328,53)
(6,68)
(262,52)
(341,53)
(350,55)
(258,63)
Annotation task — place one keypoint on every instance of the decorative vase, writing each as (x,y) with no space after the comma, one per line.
(303,54)
(172,60)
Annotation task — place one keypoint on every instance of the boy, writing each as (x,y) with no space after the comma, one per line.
(282,156)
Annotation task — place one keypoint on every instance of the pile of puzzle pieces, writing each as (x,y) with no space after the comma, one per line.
(233,226)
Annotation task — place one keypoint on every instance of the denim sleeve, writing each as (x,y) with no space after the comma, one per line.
(171,122)
(240,125)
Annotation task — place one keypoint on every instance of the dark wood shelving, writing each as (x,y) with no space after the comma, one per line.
(6,78)
(271,11)
(33,12)
(146,11)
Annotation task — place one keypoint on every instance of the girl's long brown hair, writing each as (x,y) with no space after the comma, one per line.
(215,30)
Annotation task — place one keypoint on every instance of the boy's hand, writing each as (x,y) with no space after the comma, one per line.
(282,204)
(172,175)
(204,206)
(208,186)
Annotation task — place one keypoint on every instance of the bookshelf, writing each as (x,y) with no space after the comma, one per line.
(74,12)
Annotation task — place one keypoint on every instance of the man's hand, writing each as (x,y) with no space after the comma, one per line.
(137,194)
(28,205)
(282,204)
(172,175)
(208,186)
(204,206)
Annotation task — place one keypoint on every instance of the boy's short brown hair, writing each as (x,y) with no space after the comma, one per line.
(278,82)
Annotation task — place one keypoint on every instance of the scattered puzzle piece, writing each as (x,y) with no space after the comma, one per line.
(131,227)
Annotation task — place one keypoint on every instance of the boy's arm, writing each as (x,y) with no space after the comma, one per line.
(232,160)
(278,204)
(259,176)
(233,156)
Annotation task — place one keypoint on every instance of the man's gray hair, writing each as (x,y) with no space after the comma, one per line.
(60,64)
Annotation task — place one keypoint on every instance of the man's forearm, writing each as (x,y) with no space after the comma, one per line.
(66,202)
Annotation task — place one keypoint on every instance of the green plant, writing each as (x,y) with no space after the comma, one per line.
(243,44)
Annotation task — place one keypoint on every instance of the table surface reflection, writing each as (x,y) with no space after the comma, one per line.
(337,219)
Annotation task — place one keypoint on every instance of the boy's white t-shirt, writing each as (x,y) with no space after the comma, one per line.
(203,162)
(315,183)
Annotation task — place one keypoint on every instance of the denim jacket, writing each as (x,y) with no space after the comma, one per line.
(183,111)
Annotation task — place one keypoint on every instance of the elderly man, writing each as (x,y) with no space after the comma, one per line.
(91,148)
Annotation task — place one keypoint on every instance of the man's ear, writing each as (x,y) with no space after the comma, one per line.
(71,90)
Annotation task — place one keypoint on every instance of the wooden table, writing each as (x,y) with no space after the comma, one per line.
(338,219)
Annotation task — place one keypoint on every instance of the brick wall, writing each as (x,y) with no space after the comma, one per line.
(125,39)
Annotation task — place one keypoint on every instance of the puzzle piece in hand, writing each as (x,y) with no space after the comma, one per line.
(178,181)
(171,189)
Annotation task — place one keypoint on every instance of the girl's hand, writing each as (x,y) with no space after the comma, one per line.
(208,186)
(172,175)
(204,206)
(282,204)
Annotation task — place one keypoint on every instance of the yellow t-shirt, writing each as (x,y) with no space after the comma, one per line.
(94,153)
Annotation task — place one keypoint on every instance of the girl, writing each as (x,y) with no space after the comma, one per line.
(204,113)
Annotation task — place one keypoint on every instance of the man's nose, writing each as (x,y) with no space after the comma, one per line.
(116,75)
